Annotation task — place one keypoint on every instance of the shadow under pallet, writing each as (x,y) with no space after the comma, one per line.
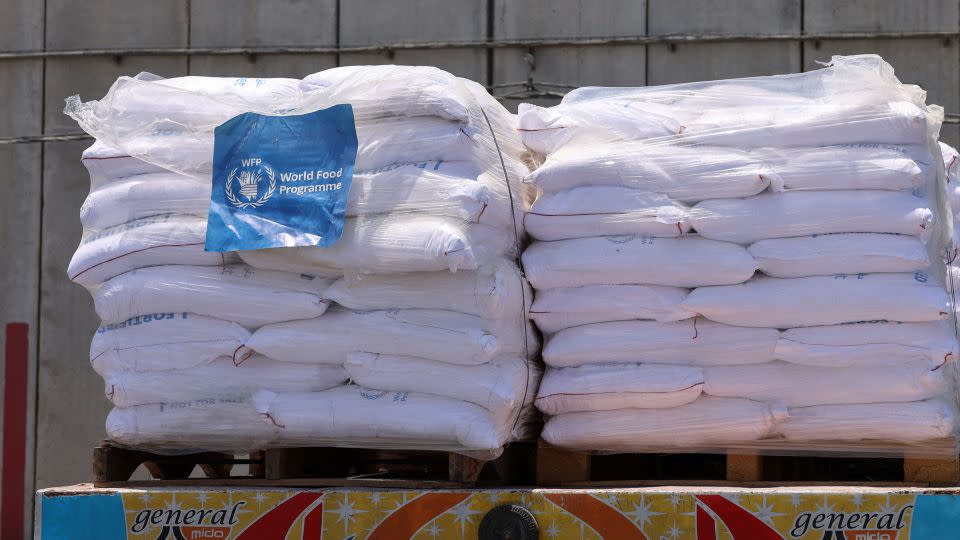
(760,465)
(320,467)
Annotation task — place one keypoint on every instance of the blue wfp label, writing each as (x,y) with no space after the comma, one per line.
(281,181)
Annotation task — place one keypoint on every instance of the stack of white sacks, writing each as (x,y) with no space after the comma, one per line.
(745,262)
(409,332)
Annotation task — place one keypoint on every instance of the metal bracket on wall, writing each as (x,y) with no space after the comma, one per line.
(388,48)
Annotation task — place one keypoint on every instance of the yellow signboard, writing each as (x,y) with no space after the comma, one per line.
(198,514)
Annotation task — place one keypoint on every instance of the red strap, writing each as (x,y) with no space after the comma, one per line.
(16,358)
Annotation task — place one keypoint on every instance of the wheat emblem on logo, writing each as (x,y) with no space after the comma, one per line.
(249,182)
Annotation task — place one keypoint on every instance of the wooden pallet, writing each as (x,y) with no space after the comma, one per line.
(113,464)
(742,467)
(320,467)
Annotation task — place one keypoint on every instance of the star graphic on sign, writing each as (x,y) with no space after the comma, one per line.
(173,505)
(795,499)
(675,531)
(552,531)
(611,499)
(641,513)
(375,498)
(463,515)
(229,505)
(434,529)
(346,511)
(259,497)
(858,500)
(202,498)
(675,500)
(765,511)
(888,508)
(824,508)
(145,498)
(402,501)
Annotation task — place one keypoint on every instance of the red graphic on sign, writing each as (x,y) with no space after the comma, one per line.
(277,522)
(313,523)
(706,525)
(606,520)
(742,524)
(409,518)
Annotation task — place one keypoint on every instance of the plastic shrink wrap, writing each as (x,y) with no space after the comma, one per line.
(752,263)
(410,331)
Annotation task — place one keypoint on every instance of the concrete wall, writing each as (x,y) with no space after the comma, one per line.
(43,184)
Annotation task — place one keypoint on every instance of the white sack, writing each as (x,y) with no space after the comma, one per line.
(864,345)
(356,415)
(501,386)
(188,153)
(804,213)
(693,98)
(556,309)
(690,342)
(152,241)
(493,292)
(681,262)
(606,387)
(246,295)
(430,187)
(547,129)
(793,385)
(458,189)
(105,163)
(844,253)
(390,244)
(222,378)
(387,90)
(201,425)
(822,300)
(854,99)
(163,341)
(849,166)
(706,422)
(252,89)
(403,139)
(142,196)
(683,173)
(903,422)
(196,99)
(446,336)
(855,117)
(604,211)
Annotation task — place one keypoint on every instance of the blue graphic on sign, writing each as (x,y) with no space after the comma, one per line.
(935,516)
(82,517)
(281,180)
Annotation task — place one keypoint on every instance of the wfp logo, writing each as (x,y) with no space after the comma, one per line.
(249,179)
